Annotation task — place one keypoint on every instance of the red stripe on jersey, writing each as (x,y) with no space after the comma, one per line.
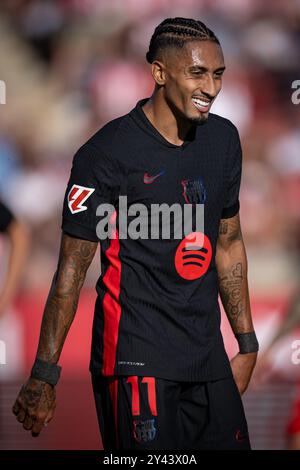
(111,306)
(151,394)
(135,401)
(113,391)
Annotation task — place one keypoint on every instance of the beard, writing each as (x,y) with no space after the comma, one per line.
(182,115)
(198,121)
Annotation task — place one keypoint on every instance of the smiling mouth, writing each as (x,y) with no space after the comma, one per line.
(201,104)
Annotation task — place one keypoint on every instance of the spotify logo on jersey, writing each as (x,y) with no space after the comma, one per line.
(193,256)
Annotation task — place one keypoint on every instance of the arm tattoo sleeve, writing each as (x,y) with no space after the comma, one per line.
(231,263)
(230,230)
(75,257)
(230,285)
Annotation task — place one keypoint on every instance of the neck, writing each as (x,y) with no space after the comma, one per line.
(171,127)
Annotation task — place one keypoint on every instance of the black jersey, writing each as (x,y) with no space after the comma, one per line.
(157,313)
(6,217)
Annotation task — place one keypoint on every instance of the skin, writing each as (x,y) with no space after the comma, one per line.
(18,237)
(179,74)
(231,264)
(35,404)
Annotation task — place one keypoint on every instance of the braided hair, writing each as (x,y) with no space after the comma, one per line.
(176,32)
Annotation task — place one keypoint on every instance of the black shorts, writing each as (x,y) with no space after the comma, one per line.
(152,413)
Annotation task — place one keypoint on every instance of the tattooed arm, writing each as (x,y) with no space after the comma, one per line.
(35,404)
(231,263)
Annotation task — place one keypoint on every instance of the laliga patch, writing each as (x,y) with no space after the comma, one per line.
(77,196)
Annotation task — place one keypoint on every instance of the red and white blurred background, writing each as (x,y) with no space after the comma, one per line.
(72,65)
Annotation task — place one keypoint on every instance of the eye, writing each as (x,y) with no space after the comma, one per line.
(218,75)
(198,72)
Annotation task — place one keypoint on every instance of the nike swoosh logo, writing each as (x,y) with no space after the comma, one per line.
(148,179)
(239,436)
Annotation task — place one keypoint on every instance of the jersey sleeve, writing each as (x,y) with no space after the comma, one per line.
(6,217)
(234,172)
(94,180)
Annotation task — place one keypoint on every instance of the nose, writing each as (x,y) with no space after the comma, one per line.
(209,86)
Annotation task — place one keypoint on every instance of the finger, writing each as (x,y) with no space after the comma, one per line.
(28,423)
(50,415)
(21,415)
(37,428)
(16,408)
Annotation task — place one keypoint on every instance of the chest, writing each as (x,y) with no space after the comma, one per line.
(175,175)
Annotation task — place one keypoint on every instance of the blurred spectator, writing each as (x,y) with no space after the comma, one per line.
(265,366)
(11,333)
(18,237)
(72,65)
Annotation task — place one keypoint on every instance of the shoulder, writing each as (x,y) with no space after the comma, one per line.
(222,126)
(98,150)
(106,138)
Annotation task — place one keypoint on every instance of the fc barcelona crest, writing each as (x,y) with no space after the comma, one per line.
(194,191)
(144,431)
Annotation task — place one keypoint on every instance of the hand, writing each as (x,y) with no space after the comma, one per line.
(242,366)
(35,405)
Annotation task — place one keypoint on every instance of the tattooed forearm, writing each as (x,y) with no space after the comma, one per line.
(74,260)
(231,292)
(230,229)
(231,264)
(223,229)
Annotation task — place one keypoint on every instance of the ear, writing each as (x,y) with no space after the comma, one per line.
(158,72)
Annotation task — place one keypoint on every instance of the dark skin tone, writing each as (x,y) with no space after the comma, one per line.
(36,402)
(180,74)
(231,264)
(195,70)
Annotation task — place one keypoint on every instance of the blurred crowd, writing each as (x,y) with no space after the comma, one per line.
(72,65)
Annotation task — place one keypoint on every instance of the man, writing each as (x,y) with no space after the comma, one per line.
(161,376)
(17,236)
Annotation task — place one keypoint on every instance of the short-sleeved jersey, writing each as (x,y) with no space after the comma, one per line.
(157,310)
(6,217)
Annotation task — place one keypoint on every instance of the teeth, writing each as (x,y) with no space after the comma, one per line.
(200,102)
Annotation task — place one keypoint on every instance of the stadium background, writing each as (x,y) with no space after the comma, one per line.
(69,67)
